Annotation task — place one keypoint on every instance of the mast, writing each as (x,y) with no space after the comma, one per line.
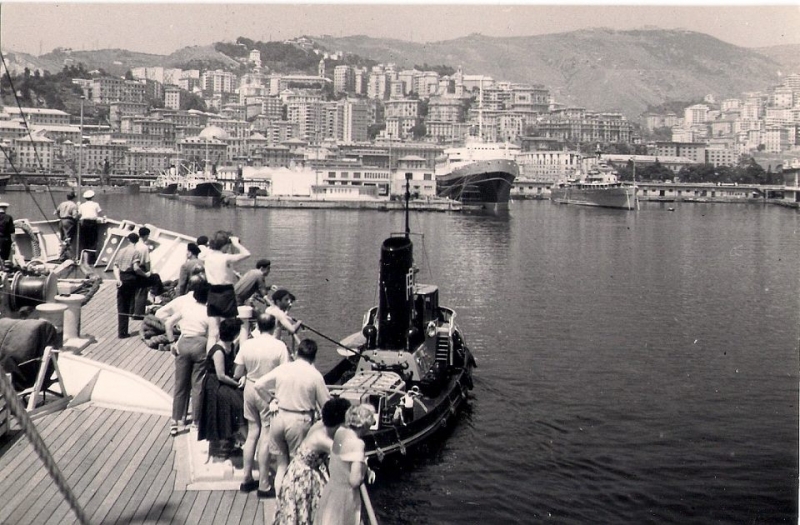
(408,196)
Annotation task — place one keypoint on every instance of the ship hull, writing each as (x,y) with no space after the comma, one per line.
(440,410)
(204,194)
(623,197)
(484,184)
(170,192)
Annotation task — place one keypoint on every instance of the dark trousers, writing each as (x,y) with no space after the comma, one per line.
(190,367)
(88,234)
(146,284)
(67,229)
(126,297)
(5,248)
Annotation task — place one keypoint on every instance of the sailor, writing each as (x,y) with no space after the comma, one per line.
(90,213)
(6,232)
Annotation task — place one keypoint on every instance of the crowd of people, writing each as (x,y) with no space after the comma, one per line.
(250,395)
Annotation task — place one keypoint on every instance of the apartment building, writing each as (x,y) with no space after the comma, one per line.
(344,79)
(34,152)
(218,81)
(39,116)
(105,90)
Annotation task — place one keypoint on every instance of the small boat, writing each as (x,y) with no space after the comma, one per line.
(479,174)
(190,183)
(600,186)
(409,350)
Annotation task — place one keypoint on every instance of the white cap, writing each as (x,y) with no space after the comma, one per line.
(88,194)
(4,205)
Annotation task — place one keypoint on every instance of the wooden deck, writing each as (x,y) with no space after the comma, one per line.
(120,464)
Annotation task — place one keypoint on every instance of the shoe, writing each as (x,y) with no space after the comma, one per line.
(173,430)
(270,493)
(248,486)
(123,336)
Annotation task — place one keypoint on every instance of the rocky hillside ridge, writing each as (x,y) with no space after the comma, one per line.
(599,69)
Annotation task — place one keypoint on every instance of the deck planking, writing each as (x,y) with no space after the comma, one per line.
(120,464)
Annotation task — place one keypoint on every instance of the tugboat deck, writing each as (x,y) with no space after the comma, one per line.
(120,464)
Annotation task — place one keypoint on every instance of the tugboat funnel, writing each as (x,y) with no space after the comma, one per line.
(396,286)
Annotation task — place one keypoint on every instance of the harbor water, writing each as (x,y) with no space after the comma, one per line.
(633,367)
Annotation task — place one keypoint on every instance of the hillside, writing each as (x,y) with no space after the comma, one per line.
(788,56)
(600,69)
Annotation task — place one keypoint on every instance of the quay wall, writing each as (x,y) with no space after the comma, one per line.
(383,205)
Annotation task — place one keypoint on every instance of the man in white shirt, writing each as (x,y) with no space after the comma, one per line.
(151,281)
(90,213)
(257,357)
(300,390)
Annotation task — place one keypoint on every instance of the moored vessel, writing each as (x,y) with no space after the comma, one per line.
(190,183)
(479,175)
(600,186)
(410,360)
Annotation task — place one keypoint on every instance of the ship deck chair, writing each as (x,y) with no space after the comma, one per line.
(28,354)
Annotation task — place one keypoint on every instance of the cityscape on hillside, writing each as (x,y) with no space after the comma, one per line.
(348,118)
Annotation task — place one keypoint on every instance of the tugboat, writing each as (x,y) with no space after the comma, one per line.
(410,360)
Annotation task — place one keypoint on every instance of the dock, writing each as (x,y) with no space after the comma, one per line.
(121,463)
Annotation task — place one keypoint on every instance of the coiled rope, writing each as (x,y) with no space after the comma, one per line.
(16,408)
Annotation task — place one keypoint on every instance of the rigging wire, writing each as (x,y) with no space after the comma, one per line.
(25,122)
(36,153)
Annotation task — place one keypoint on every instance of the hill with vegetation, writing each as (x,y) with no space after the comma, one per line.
(599,69)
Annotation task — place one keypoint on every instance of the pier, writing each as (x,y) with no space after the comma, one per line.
(122,463)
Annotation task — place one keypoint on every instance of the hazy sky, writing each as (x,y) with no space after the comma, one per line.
(163,28)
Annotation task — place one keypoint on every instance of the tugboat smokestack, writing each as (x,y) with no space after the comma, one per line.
(394,308)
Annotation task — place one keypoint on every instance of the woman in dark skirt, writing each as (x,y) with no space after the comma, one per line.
(222,412)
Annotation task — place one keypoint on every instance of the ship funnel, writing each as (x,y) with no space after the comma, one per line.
(396,285)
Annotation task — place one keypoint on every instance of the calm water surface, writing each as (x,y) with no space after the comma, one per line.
(633,367)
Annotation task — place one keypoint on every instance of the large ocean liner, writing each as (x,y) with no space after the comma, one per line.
(190,183)
(479,174)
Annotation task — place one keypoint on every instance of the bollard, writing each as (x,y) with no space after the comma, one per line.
(72,315)
(54,313)
(245,314)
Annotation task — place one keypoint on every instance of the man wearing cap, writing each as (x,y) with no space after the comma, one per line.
(89,212)
(67,213)
(6,232)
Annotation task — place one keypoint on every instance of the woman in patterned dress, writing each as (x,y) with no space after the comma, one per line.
(306,474)
(340,503)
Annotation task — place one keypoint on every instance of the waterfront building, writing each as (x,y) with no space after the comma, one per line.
(422,182)
(721,155)
(152,126)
